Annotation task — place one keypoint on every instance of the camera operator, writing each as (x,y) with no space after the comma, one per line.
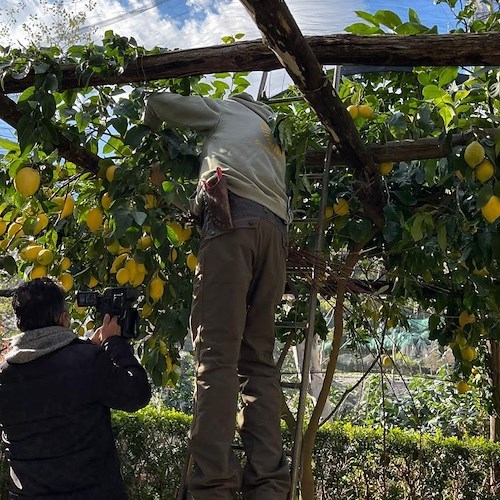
(56,392)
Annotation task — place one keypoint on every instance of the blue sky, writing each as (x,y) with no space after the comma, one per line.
(198,23)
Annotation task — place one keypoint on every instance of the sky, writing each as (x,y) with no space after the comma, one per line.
(187,24)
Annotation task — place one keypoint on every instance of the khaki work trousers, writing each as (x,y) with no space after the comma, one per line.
(238,283)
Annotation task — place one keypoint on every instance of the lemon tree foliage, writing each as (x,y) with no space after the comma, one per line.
(129,225)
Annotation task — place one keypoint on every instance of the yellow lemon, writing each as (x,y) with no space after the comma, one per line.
(94,219)
(106,201)
(387,361)
(3,226)
(172,255)
(468,353)
(138,279)
(191,261)
(66,205)
(186,234)
(131,267)
(163,347)
(141,268)
(27,181)
(150,201)
(122,276)
(110,173)
(30,252)
(365,111)
(341,207)
(177,228)
(15,230)
(465,318)
(66,281)
(38,272)
(462,387)
(353,111)
(146,310)
(65,264)
(491,211)
(460,339)
(113,247)
(41,222)
(474,154)
(118,262)
(328,212)
(385,168)
(145,242)
(156,289)
(93,282)
(484,171)
(45,257)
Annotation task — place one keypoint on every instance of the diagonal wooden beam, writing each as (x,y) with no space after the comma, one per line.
(459,49)
(76,154)
(282,35)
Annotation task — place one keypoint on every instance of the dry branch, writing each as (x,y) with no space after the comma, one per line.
(460,49)
(71,152)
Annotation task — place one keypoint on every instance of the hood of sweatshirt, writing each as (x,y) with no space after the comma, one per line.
(263,110)
(34,344)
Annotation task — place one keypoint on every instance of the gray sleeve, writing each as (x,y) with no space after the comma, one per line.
(198,113)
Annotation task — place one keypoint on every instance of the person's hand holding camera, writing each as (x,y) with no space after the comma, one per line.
(109,328)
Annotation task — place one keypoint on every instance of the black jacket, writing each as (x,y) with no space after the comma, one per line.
(56,421)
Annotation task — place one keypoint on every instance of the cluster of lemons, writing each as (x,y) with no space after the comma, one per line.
(484,170)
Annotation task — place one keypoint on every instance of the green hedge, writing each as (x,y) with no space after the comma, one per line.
(351,463)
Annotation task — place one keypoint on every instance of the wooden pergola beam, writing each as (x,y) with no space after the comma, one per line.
(460,49)
(407,149)
(71,152)
(281,33)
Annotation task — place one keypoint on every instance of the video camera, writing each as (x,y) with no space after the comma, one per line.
(115,301)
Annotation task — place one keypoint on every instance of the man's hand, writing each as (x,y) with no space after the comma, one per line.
(109,328)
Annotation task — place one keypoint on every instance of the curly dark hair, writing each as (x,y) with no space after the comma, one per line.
(38,303)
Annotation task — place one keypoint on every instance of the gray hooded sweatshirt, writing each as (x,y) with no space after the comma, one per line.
(238,139)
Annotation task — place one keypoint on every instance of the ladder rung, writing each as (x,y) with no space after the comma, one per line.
(238,447)
(291,324)
(291,385)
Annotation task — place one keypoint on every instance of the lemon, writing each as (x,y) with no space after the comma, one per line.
(186,233)
(113,247)
(341,207)
(92,281)
(38,272)
(89,325)
(353,111)
(156,289)
(465,318)
(328,212)
(65,264)
(30,252)
(387,361)
(145,242)
(94,219)
(182,234)
(45,257)
(106,201)
(491,211)
(41,222)
(66,205)
(468,353)
(365,111)
(460,339)
(146,310)
(131,267)
(150,201)
(462,387)
(484,171)
(66,281)
(138,279)
(118,262)
(122,276)
(15,230)
(192,261)
(110,173)
(385,168)
(3,226)
(474,154)
(27,181)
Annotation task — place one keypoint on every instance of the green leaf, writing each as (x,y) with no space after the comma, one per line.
(448,75)
(359,230)
(413,16)
(9,145)
(26,133)
(135,135)
(388,18)
(9,264)
(417,228)
(442,237)
(432,92)
(363,29)
(447,113)
(483,195)
(367,17)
